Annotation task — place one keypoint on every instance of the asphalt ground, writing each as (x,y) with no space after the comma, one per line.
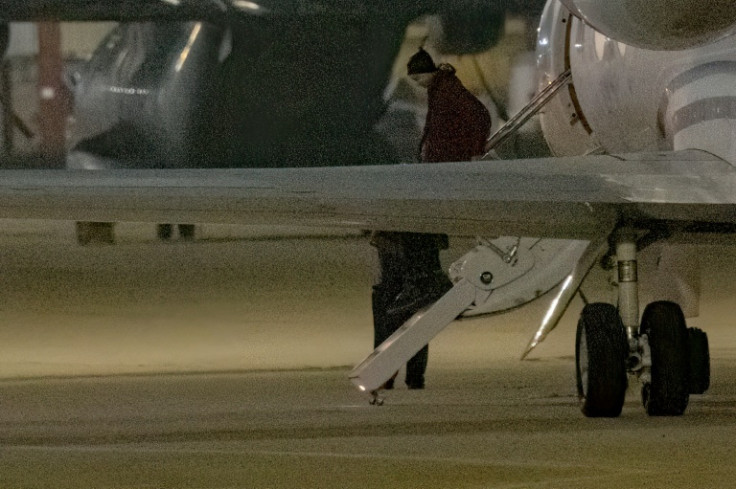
(222,363)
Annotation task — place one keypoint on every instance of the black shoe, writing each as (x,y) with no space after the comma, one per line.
(389,384)
(415,384)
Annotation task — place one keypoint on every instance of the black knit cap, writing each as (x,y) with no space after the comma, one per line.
(421,62)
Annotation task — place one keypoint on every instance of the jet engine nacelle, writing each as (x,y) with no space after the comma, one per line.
(658,24)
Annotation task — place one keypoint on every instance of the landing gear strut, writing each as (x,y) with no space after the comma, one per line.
(670,361)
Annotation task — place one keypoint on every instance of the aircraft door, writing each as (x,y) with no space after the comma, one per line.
(564,125)
(523,269)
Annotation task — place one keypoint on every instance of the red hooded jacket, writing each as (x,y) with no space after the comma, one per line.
(457,125)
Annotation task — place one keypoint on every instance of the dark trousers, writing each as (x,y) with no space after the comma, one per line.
(411,278)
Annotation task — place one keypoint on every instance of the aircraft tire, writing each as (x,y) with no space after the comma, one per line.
(699,361)
(600,361)
(669,390)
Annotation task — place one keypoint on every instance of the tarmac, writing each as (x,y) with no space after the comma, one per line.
(223,362)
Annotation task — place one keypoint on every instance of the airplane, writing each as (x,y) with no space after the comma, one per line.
(179,94)
(638,113)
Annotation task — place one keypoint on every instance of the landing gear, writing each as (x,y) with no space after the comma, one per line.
(600,361)
(668,391)
(670,360)
(699,361)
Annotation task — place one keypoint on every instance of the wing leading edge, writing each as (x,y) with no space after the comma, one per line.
(575,197)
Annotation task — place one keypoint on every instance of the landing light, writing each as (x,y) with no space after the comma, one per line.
(551,312)
(553,307)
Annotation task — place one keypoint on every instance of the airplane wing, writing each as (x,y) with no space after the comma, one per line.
(572,197)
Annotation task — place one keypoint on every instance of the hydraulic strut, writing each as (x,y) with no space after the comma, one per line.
(628,282)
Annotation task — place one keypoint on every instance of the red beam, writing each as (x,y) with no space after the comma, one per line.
(54,100)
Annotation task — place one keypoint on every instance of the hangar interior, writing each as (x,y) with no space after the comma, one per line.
(42,113)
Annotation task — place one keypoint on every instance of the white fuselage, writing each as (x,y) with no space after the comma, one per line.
(627,99)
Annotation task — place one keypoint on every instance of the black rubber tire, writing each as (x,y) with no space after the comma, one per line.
(600,361)
(699,361)
(669,391)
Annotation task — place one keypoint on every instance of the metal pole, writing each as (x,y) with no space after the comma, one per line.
(53,97)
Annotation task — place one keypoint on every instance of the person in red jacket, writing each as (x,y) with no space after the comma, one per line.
(456,129)
(458,124)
